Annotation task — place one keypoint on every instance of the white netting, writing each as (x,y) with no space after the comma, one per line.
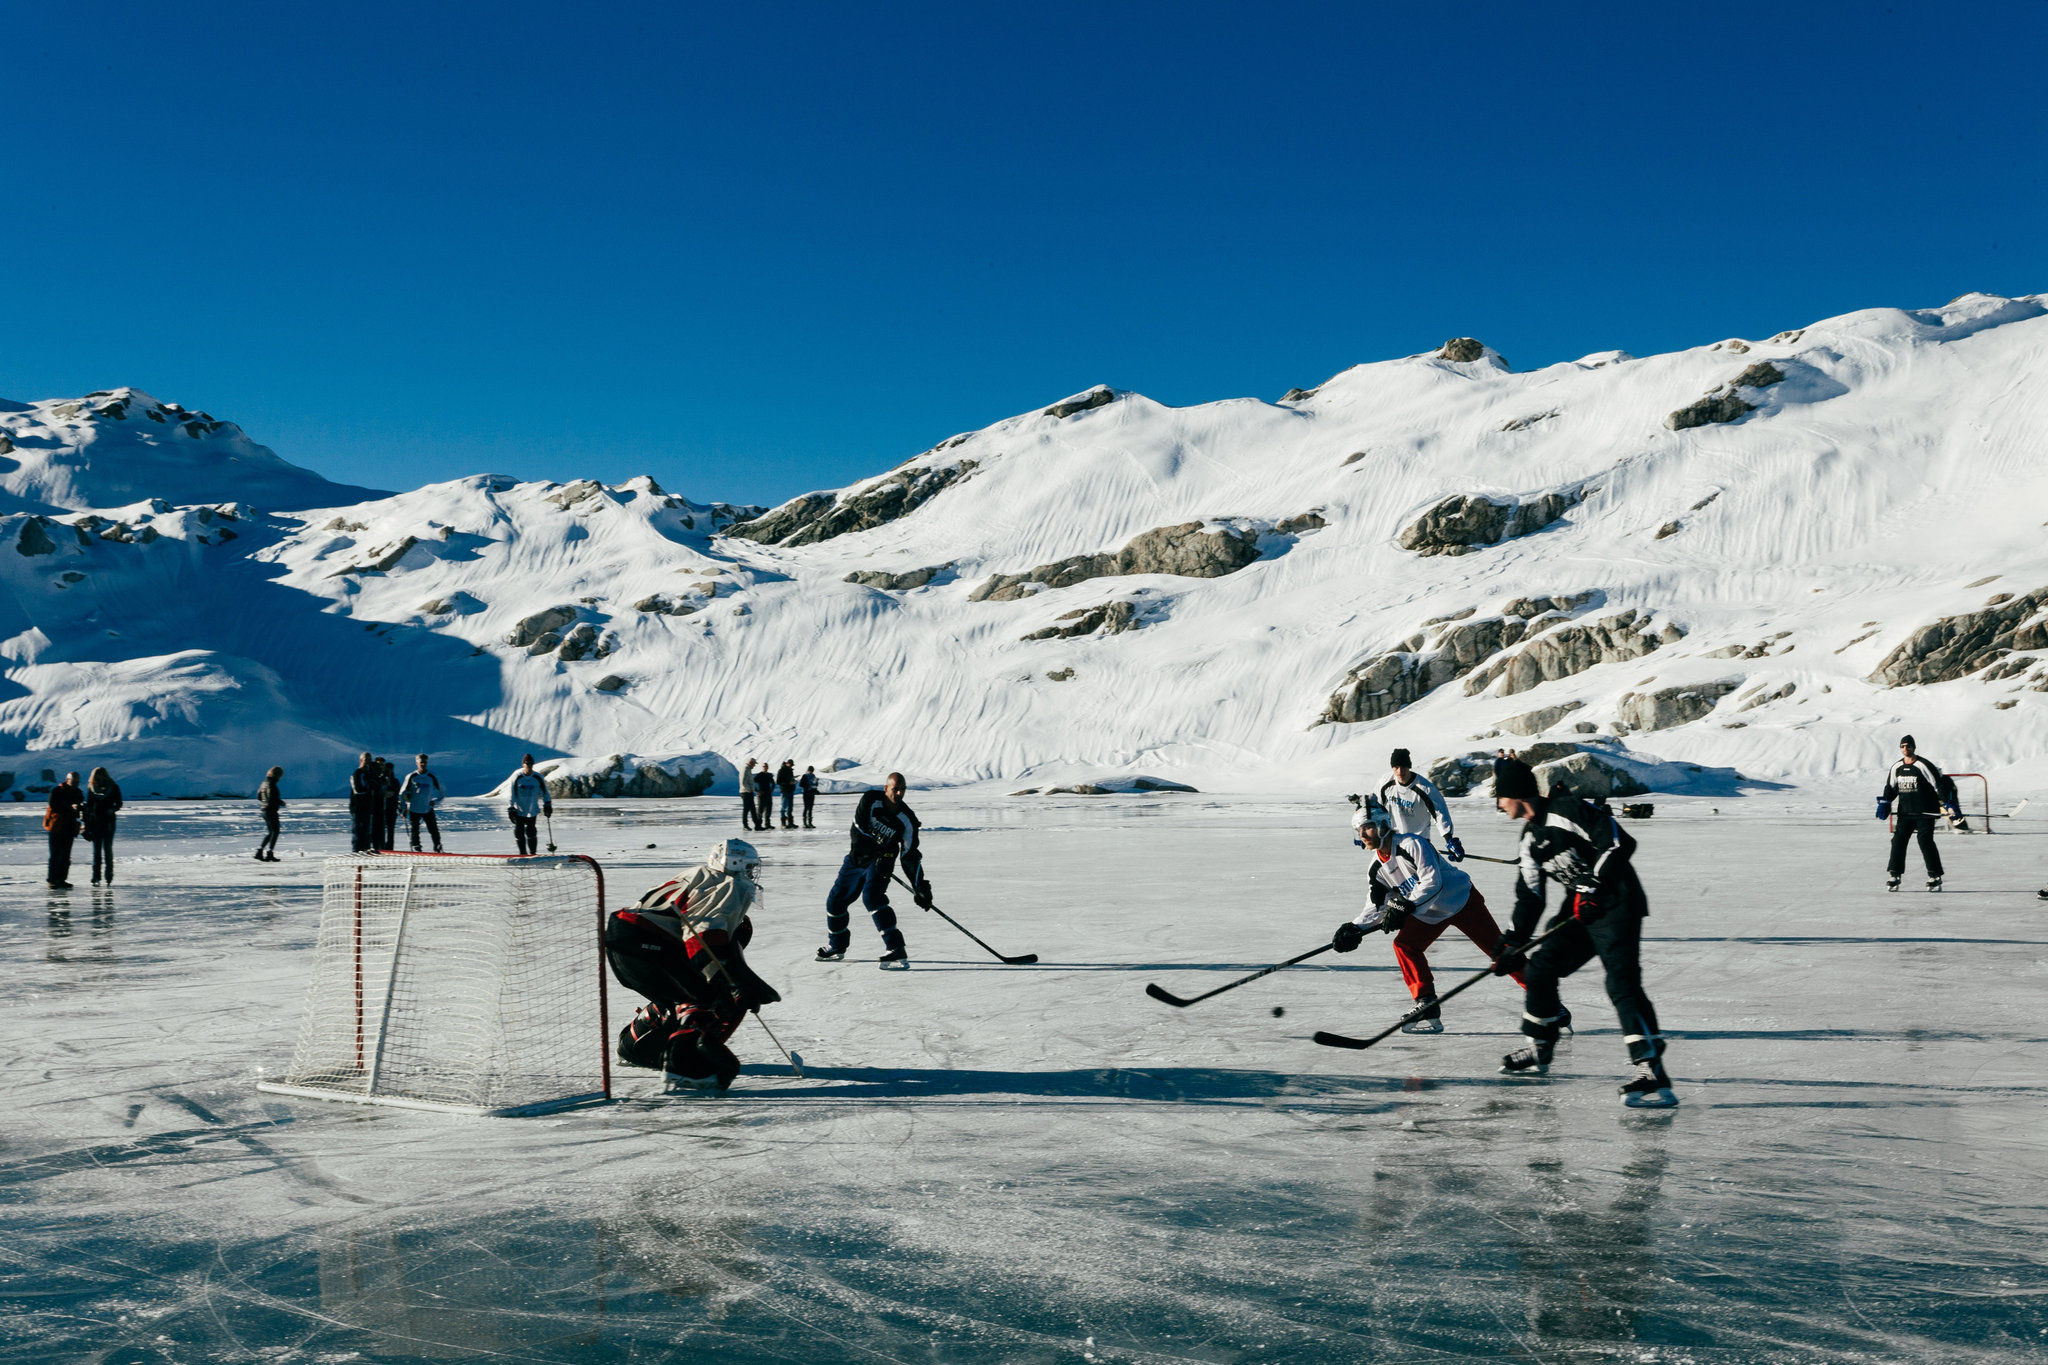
(473,983)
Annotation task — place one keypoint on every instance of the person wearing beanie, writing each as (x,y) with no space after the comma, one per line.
(1584,849)
(1919,791)
(1414,805)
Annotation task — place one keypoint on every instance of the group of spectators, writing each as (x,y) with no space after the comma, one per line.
(87,810)
(376,798)
(758,785)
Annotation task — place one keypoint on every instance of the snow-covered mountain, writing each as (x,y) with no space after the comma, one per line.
(1752,560)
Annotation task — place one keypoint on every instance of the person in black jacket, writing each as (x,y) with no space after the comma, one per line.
(764,795)
(1585,850)
(270,803)
(1920,791)
(785,781)
(102,799)
(365,808)
(809,784)
(389,806)
(884,834)
(60,818)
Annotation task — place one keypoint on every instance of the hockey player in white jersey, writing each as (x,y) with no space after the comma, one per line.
(1414,805)
(1415,897)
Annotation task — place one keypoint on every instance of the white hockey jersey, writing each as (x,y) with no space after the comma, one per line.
(1413,871)
(1413,808)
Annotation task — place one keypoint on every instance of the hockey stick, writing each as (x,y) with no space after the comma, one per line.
(1170,998)
(551,832)
(795,1059)
(1022,960)
(1339,1040)
(1482,858)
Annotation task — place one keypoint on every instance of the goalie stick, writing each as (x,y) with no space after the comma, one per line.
(1021,960)
(1168,997)
(1339,1040)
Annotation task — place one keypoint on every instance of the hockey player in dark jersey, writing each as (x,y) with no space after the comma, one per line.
(1917,792)
(884,834)
(1586,851)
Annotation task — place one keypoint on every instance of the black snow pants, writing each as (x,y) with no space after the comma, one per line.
(746,806)
(810,800)
(363,831)
(1903,831)
(61,839)
(270,833)
(433,828)
(1616,939)
(526,832)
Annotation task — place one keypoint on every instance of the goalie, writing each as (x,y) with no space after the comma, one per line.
(683,947)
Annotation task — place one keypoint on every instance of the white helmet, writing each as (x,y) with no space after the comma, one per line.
(1371,814)
(735,857)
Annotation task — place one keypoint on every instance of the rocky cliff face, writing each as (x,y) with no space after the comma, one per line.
(1670,706)
(816,517)
(1569,651)
(1187,550)
(1956,646)
(1468,521)
(1442,651)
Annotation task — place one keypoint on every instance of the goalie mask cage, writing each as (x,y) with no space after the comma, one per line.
(466,983)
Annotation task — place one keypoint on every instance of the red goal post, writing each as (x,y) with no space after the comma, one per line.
(467,983)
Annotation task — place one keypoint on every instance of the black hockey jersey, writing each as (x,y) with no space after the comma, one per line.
(1916,787)
(1582,848)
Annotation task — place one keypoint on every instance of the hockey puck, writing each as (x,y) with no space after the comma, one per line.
(1279,1010)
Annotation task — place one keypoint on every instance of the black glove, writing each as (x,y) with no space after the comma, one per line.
(512,812)
(922,894)
(1347,937)
(1509,956)
(548,811)
(1394,914)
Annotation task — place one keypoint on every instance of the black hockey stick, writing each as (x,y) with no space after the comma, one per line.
(1482,858)
(1157,993)
(1022,960)
(551,832)
(1339,1040)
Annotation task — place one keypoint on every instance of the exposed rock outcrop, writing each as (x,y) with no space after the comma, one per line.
(34,538)
(585,642)
(896,582)
(1111,618)
(611,682)
(1956,646)
(1769,695)
(1536,722)
(541,623)
(661,604)
(1466,521)
(816,517)
(1307,521)
(1186,550)
(1383,685)
(1586,771)
(1100,396)
(1463,350)
(646,779)
(1670,706)
(1725,405)
(1567,651)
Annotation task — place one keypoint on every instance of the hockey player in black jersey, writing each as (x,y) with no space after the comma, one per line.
(1586,851)
(1917,792)
(884,834)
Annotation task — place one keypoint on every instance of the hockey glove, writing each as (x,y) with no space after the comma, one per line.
(1347,937)
(1394,914)
(512,812)
(1455,847)
(1884,808)
(548,811)
(923,894)
(1508,956)
(1955,812)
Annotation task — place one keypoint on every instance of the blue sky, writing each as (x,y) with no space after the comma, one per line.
(762,249)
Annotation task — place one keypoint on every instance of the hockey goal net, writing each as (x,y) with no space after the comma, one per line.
(465,983)
(1973,799)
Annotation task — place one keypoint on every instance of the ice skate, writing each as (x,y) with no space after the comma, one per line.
(1651,1088)
(1934,883)
(1564,1021)
(1891,883)
(1431,1021)
(831,954)
(895,960)
(1533,1060)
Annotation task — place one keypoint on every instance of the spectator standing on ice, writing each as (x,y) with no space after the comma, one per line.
(101,802)
(529,800)
(270,802)
(1415,896)
(747,796)
(884,833)
(388,806)
(1413,804)
(420,794)
(1584,849)
(785,780)
(764,795)
(1920,792)
(365,785)
(809,783)
(60,818)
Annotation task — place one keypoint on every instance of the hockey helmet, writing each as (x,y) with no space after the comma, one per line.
(1371,815)
(735,857)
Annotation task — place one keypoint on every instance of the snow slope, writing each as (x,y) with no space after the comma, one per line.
(1890,478)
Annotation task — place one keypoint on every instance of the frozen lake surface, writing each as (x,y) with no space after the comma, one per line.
(1040,1163)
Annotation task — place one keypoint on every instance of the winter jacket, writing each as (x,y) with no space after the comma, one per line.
(1411,809)
(420,794)
(764,784)
(1584,849)
(703,903)
(365,786)
(809,783)
(64,802)
(529,794)
(98,811)
(1916,787)
(1412,870)
(267,797)
(881,830)
(785,778)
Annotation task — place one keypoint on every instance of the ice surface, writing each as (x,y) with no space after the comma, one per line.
(1040,1163)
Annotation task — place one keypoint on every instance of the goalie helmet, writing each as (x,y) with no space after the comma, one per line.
(1371,815)
(734,857)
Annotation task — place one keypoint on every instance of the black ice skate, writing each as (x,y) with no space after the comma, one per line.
(2043,893)
(1891,883)
(1564,1021)
(1533,1060)
(1430,1021)
(895,960)
(831,954)
(1651,1089)
(1934,883)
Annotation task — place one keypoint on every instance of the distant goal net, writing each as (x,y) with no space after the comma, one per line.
(459,983)
(1973,799)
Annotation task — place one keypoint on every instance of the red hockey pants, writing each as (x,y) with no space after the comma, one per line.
(1475,921)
